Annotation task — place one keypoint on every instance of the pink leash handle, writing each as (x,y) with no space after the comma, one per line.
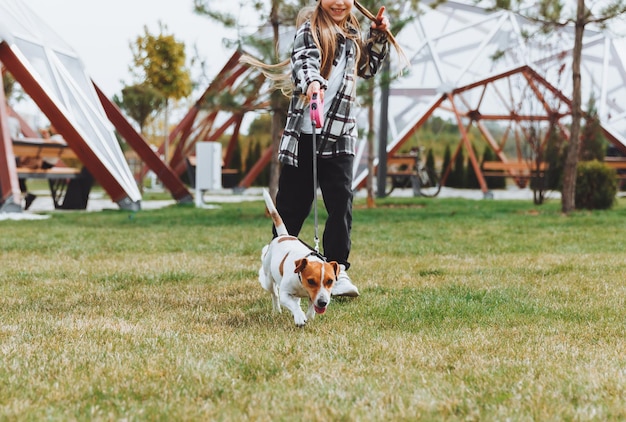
(317,110)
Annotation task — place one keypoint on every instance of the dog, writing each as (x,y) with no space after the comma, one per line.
(290,270)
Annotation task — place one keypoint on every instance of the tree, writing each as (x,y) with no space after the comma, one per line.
(457,177)
(593,144)
(554,155)
(139,102)
(553,14)
(12,90)
(8,84)
(161,61)
(447,158)
(471,180)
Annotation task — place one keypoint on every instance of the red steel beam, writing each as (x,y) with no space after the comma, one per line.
(470,150)
(407,135)
(222,80)
(232,143)
(183,130)
(142,148)
(256,169)
(11,195)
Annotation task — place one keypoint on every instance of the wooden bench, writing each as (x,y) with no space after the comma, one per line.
(618,163)
(520,171)
(50,173)
(41,148)
(512,168)
(400,168)
(69,186)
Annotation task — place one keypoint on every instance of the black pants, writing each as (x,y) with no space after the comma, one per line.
(295,198)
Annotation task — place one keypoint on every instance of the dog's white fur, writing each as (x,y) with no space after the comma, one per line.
(290,271)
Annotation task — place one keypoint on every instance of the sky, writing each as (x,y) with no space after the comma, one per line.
(101,31)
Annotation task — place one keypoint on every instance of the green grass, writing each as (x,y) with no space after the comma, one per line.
(470,310)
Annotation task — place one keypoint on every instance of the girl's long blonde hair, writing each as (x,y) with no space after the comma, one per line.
(279,73)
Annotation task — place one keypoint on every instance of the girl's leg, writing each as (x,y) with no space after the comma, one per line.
(295,188)
(335,178)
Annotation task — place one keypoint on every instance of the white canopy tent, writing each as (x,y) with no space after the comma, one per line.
(63,88)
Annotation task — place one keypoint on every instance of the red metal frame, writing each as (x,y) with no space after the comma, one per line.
(142,148)
(202,123)
(9,182)
(538,86)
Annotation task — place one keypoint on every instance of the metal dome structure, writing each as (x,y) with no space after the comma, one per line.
(474,66)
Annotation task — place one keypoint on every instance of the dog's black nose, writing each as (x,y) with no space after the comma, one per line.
(322,303)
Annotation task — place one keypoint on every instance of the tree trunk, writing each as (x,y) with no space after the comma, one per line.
(166,135)
(277,128)
(568,194)
(275,105)
(383,128)
(371,201)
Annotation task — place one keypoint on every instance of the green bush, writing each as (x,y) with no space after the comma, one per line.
(493,182)
(596,185)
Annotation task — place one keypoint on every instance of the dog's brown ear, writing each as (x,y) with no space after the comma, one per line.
(300,265)
(335,266)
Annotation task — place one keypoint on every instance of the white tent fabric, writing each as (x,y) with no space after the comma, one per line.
(60,72)
(458,43)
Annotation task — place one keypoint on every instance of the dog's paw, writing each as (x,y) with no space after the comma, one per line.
(299,319)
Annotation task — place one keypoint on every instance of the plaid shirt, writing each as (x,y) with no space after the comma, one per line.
(338,135)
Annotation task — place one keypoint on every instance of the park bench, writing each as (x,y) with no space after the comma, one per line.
(520,171)
(69,186)
(498,168)
(41,148)
(618,163)
(512,168)
(400,168)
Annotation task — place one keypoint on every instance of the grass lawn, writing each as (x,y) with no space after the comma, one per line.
(469,310)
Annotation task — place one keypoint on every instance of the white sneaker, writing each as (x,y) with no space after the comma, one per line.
(343,286)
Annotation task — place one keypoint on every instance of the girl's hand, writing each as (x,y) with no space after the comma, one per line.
(382,22)
(315,88)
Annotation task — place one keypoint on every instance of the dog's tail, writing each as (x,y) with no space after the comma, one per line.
(281,230)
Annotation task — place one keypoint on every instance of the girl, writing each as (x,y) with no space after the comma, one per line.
(328,53)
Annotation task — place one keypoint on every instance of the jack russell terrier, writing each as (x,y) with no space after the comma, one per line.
(290,270)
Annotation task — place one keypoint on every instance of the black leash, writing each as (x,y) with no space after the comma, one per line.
(317,110)
(313,251)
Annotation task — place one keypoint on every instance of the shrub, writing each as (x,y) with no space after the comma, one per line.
(596,185)
(447,157)
(456,178)
(493,182)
